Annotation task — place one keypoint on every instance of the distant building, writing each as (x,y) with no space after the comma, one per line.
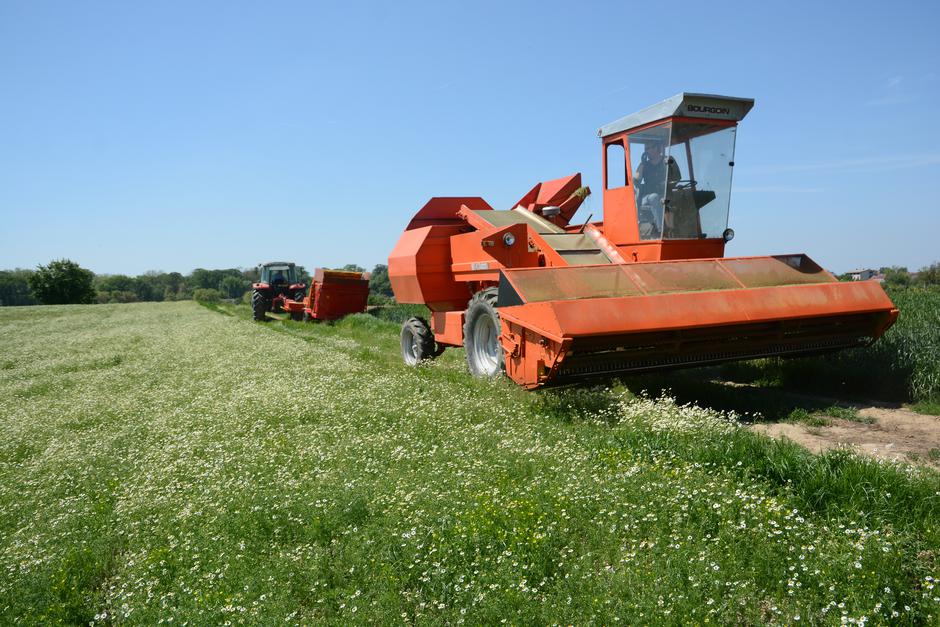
(863,275)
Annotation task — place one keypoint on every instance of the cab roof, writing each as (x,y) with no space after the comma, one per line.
(683,104)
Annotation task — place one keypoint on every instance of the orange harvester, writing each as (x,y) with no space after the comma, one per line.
(648,287)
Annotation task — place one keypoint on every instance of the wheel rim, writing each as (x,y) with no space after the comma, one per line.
(409,348)
(486,345)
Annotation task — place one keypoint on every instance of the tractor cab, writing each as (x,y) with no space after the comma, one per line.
(278,273)
(278,280)
(667,177)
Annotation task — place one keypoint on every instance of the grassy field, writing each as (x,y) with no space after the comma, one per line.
(169,463)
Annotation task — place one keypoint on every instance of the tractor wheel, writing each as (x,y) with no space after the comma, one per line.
(481,335)
(259,306)
(417,341)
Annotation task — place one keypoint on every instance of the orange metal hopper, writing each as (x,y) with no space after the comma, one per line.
(333,294)
(566,323)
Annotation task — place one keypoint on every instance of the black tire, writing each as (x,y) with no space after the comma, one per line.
(417,341)
(296,316)
(259,306)
(481,332)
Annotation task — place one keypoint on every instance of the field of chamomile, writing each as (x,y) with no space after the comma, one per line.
(174,463)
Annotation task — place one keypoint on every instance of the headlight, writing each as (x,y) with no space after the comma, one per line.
(509,239)
(728,235)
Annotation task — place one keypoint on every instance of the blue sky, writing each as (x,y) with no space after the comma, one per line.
(173,135)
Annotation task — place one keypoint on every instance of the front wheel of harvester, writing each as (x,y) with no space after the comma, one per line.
(259,306)
(481,335)
(417,341)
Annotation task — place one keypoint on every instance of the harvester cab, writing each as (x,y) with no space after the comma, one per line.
(525,291)
(667,177)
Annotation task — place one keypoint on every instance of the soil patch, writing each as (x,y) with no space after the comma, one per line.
(895,434)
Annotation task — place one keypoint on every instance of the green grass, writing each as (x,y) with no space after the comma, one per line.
(927,407)
(822,418)
(204,468)
(399,313)
(800,415)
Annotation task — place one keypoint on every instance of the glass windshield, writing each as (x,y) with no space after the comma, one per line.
(651,170)
(697,203)
(278,274)
(682,179)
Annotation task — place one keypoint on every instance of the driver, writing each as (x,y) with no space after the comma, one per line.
(650,181)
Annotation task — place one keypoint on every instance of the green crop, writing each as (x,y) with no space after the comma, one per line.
(903,365)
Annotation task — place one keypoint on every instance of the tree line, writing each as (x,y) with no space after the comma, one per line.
(63,281)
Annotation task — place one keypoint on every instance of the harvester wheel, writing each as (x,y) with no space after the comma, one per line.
(481,335)
(258,306)
(417,341)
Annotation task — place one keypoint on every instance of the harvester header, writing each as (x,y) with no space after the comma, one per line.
(526,291)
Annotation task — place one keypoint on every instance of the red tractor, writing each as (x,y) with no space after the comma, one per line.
(277,285)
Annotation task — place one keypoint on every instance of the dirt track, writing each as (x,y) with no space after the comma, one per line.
(895,434)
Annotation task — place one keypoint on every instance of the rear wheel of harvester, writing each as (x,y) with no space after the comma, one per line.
(259,306)
(417,341)
(481,335)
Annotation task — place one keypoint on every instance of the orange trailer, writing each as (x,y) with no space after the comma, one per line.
(333,294)
(528,293)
